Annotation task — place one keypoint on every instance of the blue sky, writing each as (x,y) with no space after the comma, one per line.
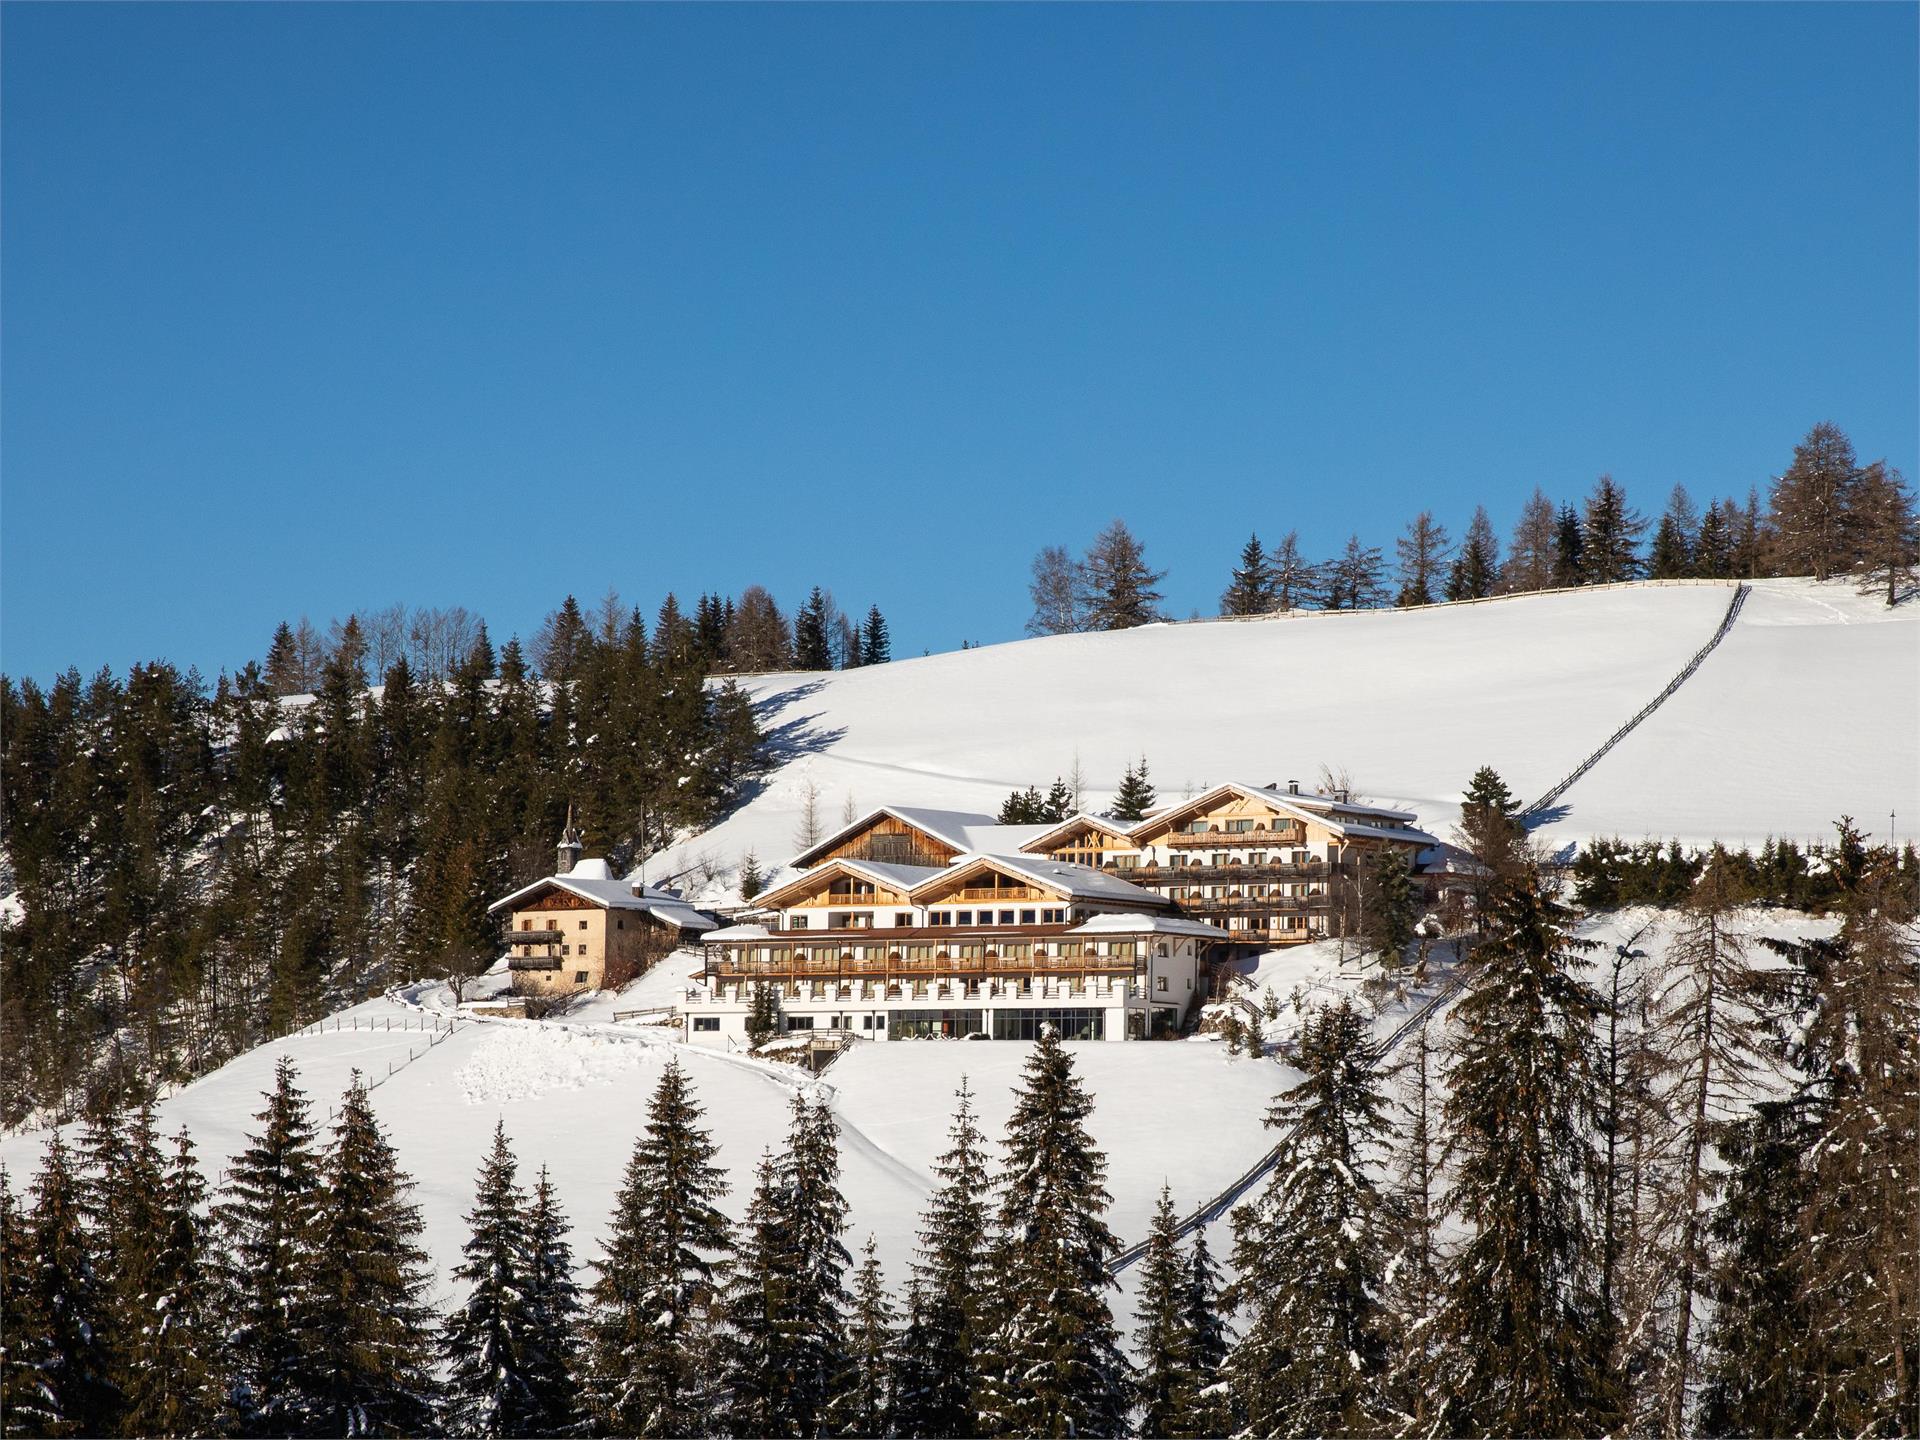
(308,309)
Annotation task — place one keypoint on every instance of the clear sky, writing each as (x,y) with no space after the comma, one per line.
(308,309)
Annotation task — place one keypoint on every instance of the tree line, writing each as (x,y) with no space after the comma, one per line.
(199,870)
(1826,515)
(1597,1198)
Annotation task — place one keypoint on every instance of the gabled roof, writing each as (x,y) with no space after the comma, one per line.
(895,877)
(592,880)
(1343,817)
(1078,820)
(949,827)
(1073,882)
(1121,924)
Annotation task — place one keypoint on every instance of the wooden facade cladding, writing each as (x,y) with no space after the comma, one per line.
(982,880)
(889,840)
(1033,950)
(1086,845)
(556,899)
(1270,826)
(831,885)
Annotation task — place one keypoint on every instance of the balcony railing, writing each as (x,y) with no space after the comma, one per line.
(536,937)
(1267,872)
(1250,904)
(534,962)
(1181,839)
(829,967)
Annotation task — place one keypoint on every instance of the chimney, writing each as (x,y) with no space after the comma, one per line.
(1293,787)
(570,847)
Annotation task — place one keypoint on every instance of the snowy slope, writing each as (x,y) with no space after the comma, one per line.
(1809,709)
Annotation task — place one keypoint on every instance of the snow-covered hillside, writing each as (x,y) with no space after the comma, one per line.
(1809,709)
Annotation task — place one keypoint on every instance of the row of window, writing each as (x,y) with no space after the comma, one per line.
(903,919)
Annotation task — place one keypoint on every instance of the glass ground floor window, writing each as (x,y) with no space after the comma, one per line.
(1071,1024)
(921,1024)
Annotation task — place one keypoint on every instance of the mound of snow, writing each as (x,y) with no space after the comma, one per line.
(512,1063)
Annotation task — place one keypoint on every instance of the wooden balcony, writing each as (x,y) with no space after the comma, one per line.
(846,967)
(535,937)
(1246,873)
(1251,904)
(535,962)
(1212,839)
(1015,895)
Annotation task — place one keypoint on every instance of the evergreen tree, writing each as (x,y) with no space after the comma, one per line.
(1811,514)
(949,1276)
(1355,581)
(752,878)
(1569,549)
(283,674)
(1165,1379)
(1059,802)
(1476,569)
(812,631)
(1057,1367)
(1490,827)
(815,1219)
(373,1339)
(69,1331)
(756,1348)
(1675,540)
(1312,1251)
(863,1405)
(1135,798)
(876,646)
(28,1404)
(1533,554)
(763,1015)
(485,1340)
(1201,1409)
(647,1372)
(1713,550)
(1022,807)
(175,1383)
(1610,535)
(1887,530)
(1294,583)
(269,1219)
(553,1311)
(1119,586)
(1522,1315)
(1387,905)
(1422,554)
(1250,591)
(1415,1299)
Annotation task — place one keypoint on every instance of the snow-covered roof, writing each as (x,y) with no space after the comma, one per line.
(1320,809)
(1078,820)
(964,830)
(895,877)
(738,932)
(1078,882)
(1119,923)
(593,880)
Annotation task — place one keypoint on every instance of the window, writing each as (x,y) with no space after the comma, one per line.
(1026,917)
(618,923)
(1006,917)
(526,924)
(797,922)
(799,1022)
(579,977)
(583,924)
(902,918)
(706,1022)
(1163,983)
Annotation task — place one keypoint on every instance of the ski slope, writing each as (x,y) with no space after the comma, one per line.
(1807,710)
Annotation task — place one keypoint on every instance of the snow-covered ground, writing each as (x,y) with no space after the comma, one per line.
(1810,709)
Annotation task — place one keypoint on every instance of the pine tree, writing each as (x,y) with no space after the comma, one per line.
(1533,552)
(69,1333)
(1387,905)
(949,1275)
(812,632)
(1476,569)
(752,879)
(553,1312)
(1569,549)
(1135,798)
(1250,591)
(1811,514)
(1887,530)
(373,1341)
(1422,554)
(484,1341)
(1490,827)
(1202,1410)
(1675,540)
(876,646)
(1164,1382)
(269,1219)
(1610,535)
(1118,583)
(863,1405)
(1058,804)
(1312,1251)
(1521,1315)
(1295,584)
(1057,1367)
(646,1368)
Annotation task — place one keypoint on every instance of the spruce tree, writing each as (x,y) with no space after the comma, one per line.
(1312,1251)
(1250,590)
(283,674)
(269,1218)
(1164,1381)
(373,1341)
(68,1302)
(484,1340)
(553,1311)
(1811,516)
(1714,546)
(876,646)
(1135,798)
(647,1364)
(28,1404)
(1569,549)
(1202,1409)
(863,1405)
(949,1277)
(1610,535)
(755,1350)
(763,1015)
(812,631)
(1057,1367)
(815,1219)
(1476,568)
(1521,1315)
(1387,905)
(1415,1293)
(1058,804)
(1675,540)
(1490,827)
